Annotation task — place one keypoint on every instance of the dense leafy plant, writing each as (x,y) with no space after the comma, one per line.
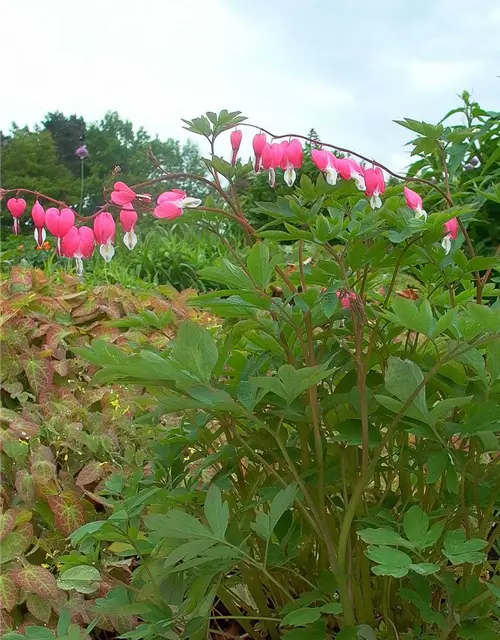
(62,439)
(334,472)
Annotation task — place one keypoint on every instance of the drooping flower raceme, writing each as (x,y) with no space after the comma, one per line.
(375,186)
(326,162)
(171,204)
(128,220)
(414,202)
(293,154)
(451,232)
(122,194)
(259,142)
(16,206)
(78,243)
(59,223)
(236,136)
(349,168)
(38,216)
(104,233)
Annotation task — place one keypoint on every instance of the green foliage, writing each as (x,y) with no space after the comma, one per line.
(307,468)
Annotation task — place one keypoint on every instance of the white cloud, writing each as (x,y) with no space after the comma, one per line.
(441,76)
(157,61)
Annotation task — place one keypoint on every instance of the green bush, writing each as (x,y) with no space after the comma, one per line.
(339,442)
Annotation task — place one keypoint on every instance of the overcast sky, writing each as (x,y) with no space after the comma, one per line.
(345,68)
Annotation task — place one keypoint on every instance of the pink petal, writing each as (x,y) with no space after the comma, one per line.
(168,210)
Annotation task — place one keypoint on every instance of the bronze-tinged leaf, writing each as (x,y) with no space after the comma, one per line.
(68,512)
(43,472)
(18,426)
(20,279)
(90,473)
(123,623)
(61,367)
(7,522)
(38,371)
(9,592)
(6,622)
(37,580)
(38,607)
(80,609)
(16,542)
(25,486)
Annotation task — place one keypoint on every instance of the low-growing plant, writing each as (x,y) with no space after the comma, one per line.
(335,471)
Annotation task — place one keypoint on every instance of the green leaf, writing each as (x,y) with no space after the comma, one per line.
(382,536)
(34,632)
(301,617)
(332,608)
(261,525)
(415,524)
(195,351)
(413,317)
(38,607)
(458,550)
(425,568)
(281,503)
(216,512)
(445,322)
(436,466)
(177,524)
(402,378)
(258,264)
(391,562)
(82,578)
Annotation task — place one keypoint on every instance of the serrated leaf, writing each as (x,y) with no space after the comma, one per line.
(9,592)
(42,472)
(283,500)
(68,512)
(177,524)
(89,474)
(39,607)
(7,522)
(195,351)
(25,486)
(38,371)
(82,578)
(16,542)
(38,580)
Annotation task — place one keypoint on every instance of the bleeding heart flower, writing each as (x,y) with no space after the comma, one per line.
(123,194)
(78,243)
(259,142)
(272,155)
(171,204)
(349,168)
(236,136)
(104,233)
(345,298)
(128,220)
(293,154)
(451,231)
(38,216)
(326,162)
(414,202)
(16,206)
(59,223)
(375,186)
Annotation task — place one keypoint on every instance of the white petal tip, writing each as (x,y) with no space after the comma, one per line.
(290,176)
(130,240)
(107,251)
(190,203)
(446,244)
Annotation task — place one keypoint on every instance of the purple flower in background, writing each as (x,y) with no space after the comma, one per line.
(82,152)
